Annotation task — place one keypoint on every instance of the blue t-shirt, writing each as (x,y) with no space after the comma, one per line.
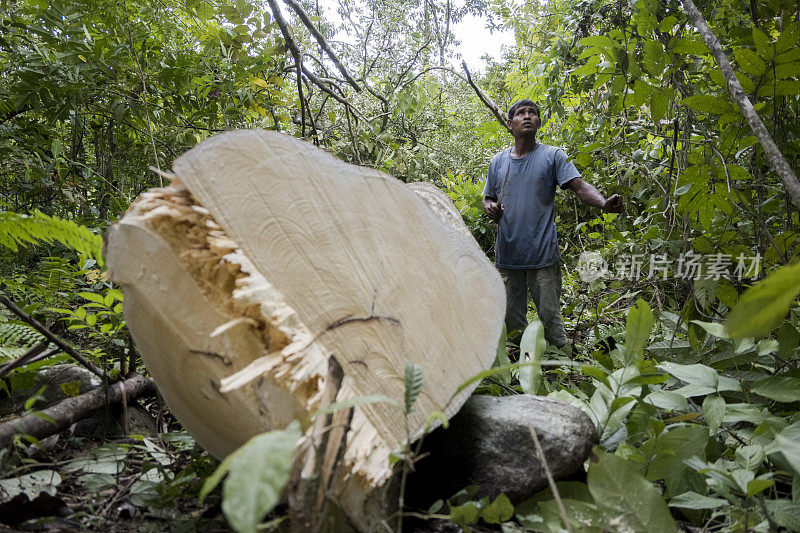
(526,235)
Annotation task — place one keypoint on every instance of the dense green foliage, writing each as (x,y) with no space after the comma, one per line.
(698,417)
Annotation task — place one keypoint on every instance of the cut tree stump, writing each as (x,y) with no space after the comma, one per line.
(264,258)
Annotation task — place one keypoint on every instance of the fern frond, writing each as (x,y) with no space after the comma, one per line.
(17,230)
(16,339)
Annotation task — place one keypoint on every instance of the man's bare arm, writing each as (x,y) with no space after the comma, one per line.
(589,195)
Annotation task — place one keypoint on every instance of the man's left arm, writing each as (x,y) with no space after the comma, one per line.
(589,195)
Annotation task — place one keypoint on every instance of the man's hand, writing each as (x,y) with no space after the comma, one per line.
(492,209)
(613,204)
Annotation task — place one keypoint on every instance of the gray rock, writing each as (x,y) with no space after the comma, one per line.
(61,381)
(489,444)
(55,382)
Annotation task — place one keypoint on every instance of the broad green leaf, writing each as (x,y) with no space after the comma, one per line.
(788,57)
(414,380)
(707,104)
(670,401)
(715,328)
(692,500)
(600,41)
(785,512)
(758,485)
(696,374)
(762,307)
(781,389)
(641,94)
(621,491)
(638,326)
(659,102)
(463,515)
(654,58)
(667,451)
(788,37)
(787,70)
(714,411)
(258,471)
(531,349)
(688,45)
(499,511)
(765,49)
(788,442)
(749,62)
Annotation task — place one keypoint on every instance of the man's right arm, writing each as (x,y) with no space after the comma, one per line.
(493,209)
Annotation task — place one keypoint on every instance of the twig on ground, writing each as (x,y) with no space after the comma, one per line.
(550,480)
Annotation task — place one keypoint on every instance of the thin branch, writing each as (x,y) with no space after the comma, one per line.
(550,480)
(776,159)
(298,59)
(488,102)
(28,357)
(51,337)
(322,43)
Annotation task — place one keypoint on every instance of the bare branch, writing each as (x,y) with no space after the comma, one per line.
(298,59)
(776,159)
(322,43)
(488,102)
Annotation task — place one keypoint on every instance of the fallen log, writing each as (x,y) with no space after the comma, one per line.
(60,416)
(266,257)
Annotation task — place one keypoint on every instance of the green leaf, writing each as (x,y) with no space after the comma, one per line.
(758,485)
(749,62)
(781,389)
(788,442)
(499,511)
(707,104)
(762,307)
(638,326)
(258,471)
(531,348)
(463,515)
(414,380)
(623,493)
(765,49)
(692,500)
(654,58)
(696,374)
(688,45)
(788,57)
(714,411)
(659,102)
(787,70)
(667,451)
(715,328)
(600,41)
(92,297)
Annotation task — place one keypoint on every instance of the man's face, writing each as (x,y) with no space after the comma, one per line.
(525,122)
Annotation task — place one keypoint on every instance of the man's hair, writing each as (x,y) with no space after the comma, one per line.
(520,103)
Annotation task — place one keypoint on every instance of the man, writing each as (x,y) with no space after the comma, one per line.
(520,196)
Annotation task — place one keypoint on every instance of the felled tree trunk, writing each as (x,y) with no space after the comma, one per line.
(264,258)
